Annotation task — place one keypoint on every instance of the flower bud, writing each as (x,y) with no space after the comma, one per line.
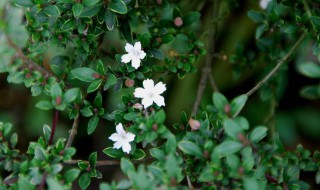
(227,108)
(129,83)
(58,100)
(159,2)
(138,106)
(178,21)
(96,75)
(194,124)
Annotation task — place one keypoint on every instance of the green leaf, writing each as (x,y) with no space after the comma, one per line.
(160,117)
(111,80)
(93,159)
(86,112)
(77,9)
(126,166)
(71,95)
(71,175)
(171,144)
(55,91)
(114,153)
(13,140)
(94,85)
(46,132)
(156,53)
(138,154)
(191,18)
(44,105)
(310,92)
(90,11)
(258,133)
(52,10)
(39,153)
(25,184)
(316,22)
(131,116)
(250,183)
(242,122)
(157,153)
(220,101)
(24,3)
(90,2)
(190,148)
(110,19)
(310,69)
(232,129)
(237,104)
(84,74)
(53,184)
(261,29)
(228,147)
(291,28)
(318,177)
(98,100)
(93,122)
(84,181)
(256,16)
(65,1)
(118,6)
(68,25)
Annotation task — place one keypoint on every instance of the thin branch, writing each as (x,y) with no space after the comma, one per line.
(73,132)
(106,162)
(213,83)
(206,71)
(26,61)
(54,125)
(98,163)
(189,183)
(43,181)
(275,69)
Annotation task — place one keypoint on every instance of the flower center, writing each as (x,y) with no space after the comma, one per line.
(136,53)
(151,95)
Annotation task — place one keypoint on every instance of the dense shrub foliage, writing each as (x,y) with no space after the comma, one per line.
(74,52)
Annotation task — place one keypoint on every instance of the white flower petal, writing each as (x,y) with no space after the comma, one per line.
(128,47)
(142,54)
(159,88)
(114,137)
(118,144)
(159,100)
(135,62)
(126,147)
(148,84)
(119,129)
(126,58)
(130,136)
(264,3)
(146,102)
(137,46)
(139,93)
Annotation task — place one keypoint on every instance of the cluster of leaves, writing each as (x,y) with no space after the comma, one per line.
(41,159)
(219,152)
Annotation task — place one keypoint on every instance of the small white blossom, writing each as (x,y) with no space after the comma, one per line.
(135,54)
(150,93)
(264,3)
(122,139)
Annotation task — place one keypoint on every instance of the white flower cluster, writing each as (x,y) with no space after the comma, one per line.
(150,93)
(264,3)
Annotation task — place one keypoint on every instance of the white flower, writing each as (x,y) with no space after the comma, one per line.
(150,93)
(264,3)
(122,139)
(135,54)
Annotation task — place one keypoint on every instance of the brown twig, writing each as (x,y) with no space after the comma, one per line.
(106,162)
(275,69)
(98,163)
(73,132)
(206,71)
(27,62)
(54,125)
(213,83)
